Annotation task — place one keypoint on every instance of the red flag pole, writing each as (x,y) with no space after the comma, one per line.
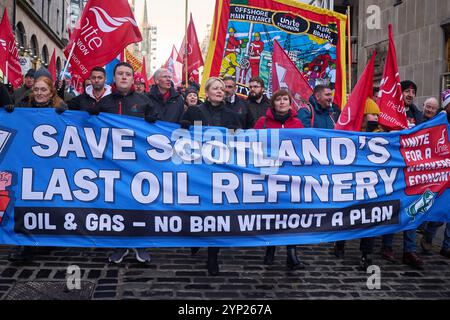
(6,74)
(186,72)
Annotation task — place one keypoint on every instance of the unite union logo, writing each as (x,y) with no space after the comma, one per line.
(3,44)
(442,148)
(106,23)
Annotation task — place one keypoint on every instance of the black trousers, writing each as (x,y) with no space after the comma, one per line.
(366,245)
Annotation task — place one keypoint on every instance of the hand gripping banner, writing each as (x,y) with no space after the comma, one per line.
(117,181)
(243,35)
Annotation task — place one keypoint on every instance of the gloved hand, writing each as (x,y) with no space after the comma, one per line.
(185,124)
(60,110)
(151,118)
(9,108)
(61,86)
(244,43)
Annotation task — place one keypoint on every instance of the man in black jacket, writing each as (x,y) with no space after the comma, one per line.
(257,101)
(25,90)
(413,114)
(236,104)
(168,103)
(124,100)
(94,96)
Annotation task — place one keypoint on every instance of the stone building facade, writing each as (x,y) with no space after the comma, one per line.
(421,34)
(40,26)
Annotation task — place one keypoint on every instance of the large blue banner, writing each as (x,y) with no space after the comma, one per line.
(117,181)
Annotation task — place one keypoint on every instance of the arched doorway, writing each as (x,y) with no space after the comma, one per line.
(58,65)
(21,36)
(34,50)
(44,56)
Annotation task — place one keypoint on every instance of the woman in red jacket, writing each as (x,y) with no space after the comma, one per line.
(279,116)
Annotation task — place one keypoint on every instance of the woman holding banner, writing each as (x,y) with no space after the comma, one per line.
(281,116)
(212,112)
(43,95)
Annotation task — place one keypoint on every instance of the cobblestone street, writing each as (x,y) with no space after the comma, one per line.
(175,274)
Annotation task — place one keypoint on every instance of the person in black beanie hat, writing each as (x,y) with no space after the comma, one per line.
(413,114)
(24,91)
(191,97)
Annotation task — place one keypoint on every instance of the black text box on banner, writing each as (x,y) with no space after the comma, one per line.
(103,222)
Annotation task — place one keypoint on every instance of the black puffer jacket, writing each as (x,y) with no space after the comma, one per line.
(87,101)
(414,115)
(258,110)
(34,104)
(209,115)
(241,108)
(133,104)
(171,110)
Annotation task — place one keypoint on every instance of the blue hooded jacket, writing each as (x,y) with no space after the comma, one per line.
(322,118)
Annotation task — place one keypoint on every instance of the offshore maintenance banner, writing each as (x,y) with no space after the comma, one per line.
(117,181)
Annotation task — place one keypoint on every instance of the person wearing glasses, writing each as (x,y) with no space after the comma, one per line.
(257,102)
(168,102)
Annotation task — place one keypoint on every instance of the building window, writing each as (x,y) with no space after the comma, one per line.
(20,35)
(45,55)
(446,76)
(63,16)
(57,20)
(58,65)
(49,3)
(34,46)
(447,40)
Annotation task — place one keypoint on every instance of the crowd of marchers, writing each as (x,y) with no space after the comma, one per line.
(129,96)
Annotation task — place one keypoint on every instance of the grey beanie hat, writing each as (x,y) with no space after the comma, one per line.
(42,72)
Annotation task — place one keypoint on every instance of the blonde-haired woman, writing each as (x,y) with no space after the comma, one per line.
(212,112)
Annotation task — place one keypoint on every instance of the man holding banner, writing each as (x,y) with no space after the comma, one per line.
(124,100)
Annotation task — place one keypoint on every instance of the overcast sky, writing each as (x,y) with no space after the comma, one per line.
(168,16)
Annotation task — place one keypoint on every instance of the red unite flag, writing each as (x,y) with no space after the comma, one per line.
(192,52)
(391,103)
(285,75)
(9,55)
(352,116)
(52,66)
(105,29)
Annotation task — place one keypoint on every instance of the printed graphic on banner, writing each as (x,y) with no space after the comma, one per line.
(427,156)
(5,140)
(310,36)
(118,181)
